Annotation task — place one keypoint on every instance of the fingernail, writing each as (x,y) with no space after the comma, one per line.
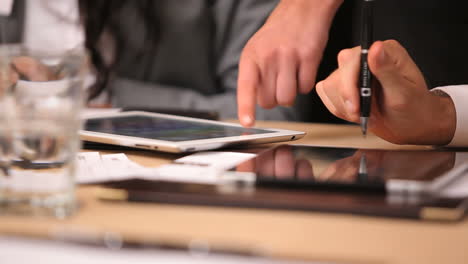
(247,120)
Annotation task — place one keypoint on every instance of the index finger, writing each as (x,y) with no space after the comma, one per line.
(247,84)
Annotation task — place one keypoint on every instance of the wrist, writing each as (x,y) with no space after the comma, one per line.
(444,118)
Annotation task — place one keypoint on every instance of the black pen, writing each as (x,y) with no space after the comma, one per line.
(365,76)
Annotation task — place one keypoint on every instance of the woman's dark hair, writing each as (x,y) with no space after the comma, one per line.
(100,17)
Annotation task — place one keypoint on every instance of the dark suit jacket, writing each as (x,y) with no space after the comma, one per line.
(435,33)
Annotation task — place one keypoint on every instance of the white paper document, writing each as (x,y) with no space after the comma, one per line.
(203,167)
(93,168)
(216,159)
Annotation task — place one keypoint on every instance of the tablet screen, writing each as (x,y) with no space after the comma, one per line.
(347,166)
(168,129)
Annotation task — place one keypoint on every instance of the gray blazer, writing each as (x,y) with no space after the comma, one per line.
(195,63)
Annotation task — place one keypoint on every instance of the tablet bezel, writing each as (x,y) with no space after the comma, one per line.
(276,135)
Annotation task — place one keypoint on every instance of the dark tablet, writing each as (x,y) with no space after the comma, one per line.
(320,179)
(394,171)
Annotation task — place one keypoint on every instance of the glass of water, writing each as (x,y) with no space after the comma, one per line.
(41,99)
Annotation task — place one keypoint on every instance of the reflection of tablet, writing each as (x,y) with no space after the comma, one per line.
(302,167)
(174,133)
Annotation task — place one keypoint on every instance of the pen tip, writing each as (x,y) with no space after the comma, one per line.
(364,126)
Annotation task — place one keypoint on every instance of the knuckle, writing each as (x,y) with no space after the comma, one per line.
(286,51)
(268,56)
(310,54)
(269,52)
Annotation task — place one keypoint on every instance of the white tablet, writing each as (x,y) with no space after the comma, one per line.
(171,133)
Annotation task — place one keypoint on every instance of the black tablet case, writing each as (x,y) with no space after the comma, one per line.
(361,203)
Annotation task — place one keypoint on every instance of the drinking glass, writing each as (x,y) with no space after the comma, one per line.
(42,94)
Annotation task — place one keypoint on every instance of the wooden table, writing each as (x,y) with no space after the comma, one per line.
(314,236)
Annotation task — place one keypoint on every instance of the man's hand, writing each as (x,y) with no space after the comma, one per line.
(403,110)
(279,163)
(282,58)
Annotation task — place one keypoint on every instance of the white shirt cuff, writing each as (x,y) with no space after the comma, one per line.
(459,96)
